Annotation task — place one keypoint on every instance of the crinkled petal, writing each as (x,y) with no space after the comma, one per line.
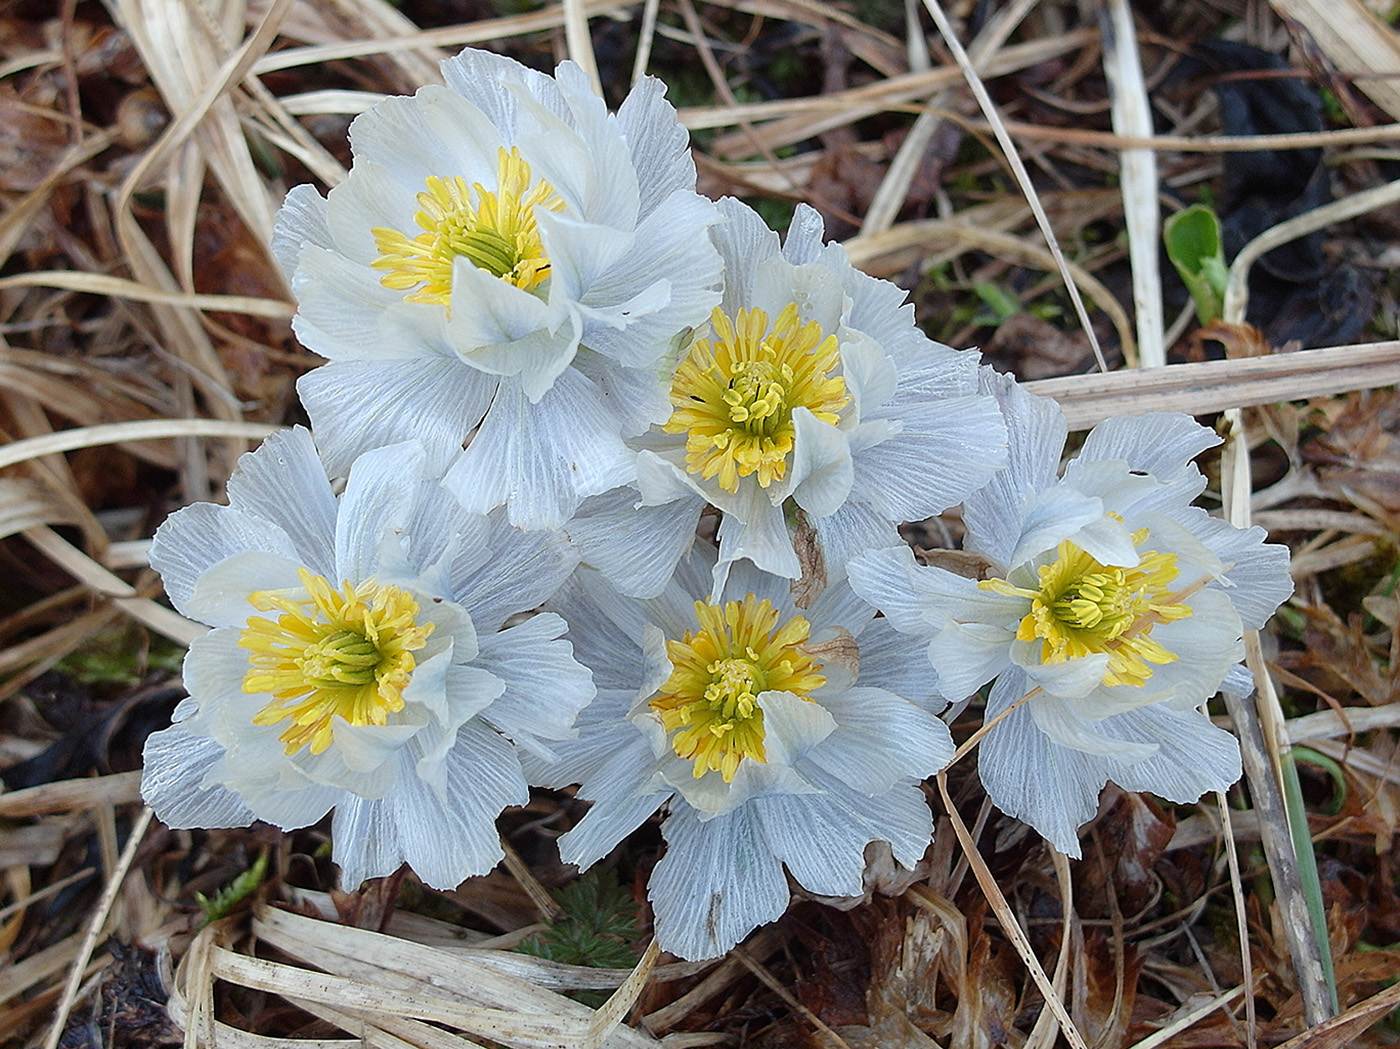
(880,739)
(375,510)
(717,882)
(946,450)
(542,459)
(194,539)
(636,547)
(220,596)
(172,782)
(522,572)
(445,838)
(888,661)
(285,482)
(822,837)
(1036,431)
(1160,443)
(1029,776)
(545,686)
(358,405)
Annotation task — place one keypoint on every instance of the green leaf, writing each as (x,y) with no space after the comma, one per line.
(598,928)
(1197,251)
(234,893)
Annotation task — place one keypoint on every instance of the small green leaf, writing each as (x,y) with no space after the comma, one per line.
(1197,251)
(232,894)
(598,929)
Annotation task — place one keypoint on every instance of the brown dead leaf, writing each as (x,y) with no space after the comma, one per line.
(1103,1011)
(1034,348)
(986,1013)
(1237,340)
(1336,654)
(1358,456)
(1131,835)
(32,140)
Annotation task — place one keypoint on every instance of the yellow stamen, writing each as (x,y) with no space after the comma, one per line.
(497,233)
(735,392)
(330,653)
(1082,607)
(711,698)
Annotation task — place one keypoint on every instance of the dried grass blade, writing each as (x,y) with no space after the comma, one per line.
(1132,117)
(117,287)
(615,1009)
(1355,41)
(69,794)
(1023,179)
(1009,925)
(1212,386)
(96,922)
(115,433)
(894,187)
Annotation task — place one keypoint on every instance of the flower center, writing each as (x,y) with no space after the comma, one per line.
(328,654)
(710,700)
(1083,607)
(735,392)
(495,232)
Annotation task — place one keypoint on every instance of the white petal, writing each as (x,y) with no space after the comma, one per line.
(378,503)
(813,289)
(445,838)
(890,660)
(1257,572)
(820,473)
(803,242)
(822,837)
(524,570)
(852,529)
(1057,721)
(743,240)
(968,655)
(542,459)
(1159,443)
(284,482)
(1030,777)
(889,579)
(636,547)
(1192,755)
(717,882)
(792,726)
(545,687)
(880,740)
(1072,679)
(604,826)
(172,782)
(300,220)
(490,81)
(359,405)
(754,528)
(659,145)
(1058,513)
(946,450)
(672,242)
(220,596)
(1036,432)
(194,539)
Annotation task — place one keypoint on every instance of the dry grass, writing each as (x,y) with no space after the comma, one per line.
(144,343)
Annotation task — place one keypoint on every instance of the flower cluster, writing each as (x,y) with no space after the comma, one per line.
(549,362)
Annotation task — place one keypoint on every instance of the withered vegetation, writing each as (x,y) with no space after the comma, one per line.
(145,343)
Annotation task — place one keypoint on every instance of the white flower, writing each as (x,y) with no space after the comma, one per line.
(1110,601)
(504,252)
(775,738)
(357,662)
(811,391)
